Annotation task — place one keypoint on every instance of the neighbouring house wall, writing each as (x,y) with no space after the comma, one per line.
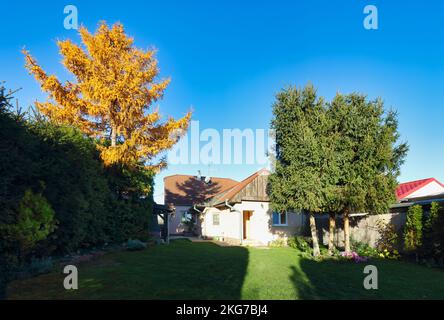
(433,188)
(363,229)
(260,230)
(175,223)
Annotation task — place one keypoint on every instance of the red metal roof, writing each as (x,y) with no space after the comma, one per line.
(406,188)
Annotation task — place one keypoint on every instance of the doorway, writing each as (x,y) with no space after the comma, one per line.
(246,223)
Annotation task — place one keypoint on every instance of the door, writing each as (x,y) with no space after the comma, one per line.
(246,224)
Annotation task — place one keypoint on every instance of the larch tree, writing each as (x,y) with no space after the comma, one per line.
(367,154)
(304,173)
(112,96)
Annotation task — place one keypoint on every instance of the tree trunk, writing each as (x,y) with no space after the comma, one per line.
(331,233)
(113,136)
(314,235)
(347,231)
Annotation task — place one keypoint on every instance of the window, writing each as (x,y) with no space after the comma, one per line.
(216,220)
(279,218)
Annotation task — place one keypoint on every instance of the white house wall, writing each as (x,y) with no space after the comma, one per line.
(261,230)
(175,222)
(431,189)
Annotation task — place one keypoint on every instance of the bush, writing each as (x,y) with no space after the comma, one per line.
(34,222)
(363,249)
(413,230)
(303,244)
(135,245)
(92,204)
(278,243)
(388,241)
(56,196)
(432,244)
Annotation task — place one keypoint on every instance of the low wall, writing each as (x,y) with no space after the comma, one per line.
(362,228)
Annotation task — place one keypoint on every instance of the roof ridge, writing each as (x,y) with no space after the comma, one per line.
(190,175)
(242,184)
(403,190)
(412,181)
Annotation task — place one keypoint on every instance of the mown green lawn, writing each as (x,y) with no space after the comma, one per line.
(186,270)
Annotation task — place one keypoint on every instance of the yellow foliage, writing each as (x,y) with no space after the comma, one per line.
(112,96)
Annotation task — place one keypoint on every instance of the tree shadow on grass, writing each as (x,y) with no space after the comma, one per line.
(181,270)
(330,279)
(205,271)
(341,279)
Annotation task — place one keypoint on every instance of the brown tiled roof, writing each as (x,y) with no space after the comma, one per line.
(189,190)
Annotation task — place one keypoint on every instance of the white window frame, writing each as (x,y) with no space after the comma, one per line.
(218,218)
(280,224)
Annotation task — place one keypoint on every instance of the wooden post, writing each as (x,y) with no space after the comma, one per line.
(331,233)
(347,231)
(167,228)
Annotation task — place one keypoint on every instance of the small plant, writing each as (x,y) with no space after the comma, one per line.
(278,243)
(386,254)
(135,245)
(354,256)
(363,249)
(388,240)
(303,244)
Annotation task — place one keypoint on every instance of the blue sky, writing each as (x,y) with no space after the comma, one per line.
(227,60)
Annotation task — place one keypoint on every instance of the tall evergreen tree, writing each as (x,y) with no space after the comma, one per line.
(303,176)
(368,155)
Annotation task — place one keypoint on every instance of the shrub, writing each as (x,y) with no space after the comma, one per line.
(432,246)
(303,244)
(56,196)
(135,245)
(278,243)
(34,222)
(363,249)
(413,230)
(388,241)
(354,256)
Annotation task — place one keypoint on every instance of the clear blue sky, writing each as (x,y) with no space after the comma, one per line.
(227,59)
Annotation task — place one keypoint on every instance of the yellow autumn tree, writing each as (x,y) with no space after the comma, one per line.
(112,96)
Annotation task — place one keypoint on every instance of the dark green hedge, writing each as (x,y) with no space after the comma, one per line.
(93,205)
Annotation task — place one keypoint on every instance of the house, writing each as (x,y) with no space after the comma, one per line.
(184,191)
(419,189)
(231,211)
(422,192)
(242,214)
